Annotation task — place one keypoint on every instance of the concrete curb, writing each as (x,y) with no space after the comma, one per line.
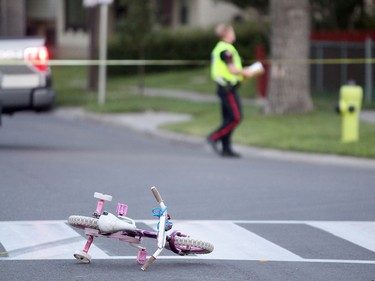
(148,123)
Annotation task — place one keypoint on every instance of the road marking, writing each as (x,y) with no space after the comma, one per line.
(227,238)
(41,240)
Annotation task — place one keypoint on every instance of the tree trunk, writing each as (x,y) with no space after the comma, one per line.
(141,71)
(92,84)
(289,83)
(12,18)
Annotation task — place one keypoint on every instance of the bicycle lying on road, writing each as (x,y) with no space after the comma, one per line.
(105,224)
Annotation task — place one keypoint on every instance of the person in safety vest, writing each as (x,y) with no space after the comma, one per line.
(227,72)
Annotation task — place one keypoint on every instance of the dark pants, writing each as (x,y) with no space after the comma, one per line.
(231,113)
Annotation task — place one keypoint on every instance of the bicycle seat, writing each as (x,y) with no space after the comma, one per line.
(109,223)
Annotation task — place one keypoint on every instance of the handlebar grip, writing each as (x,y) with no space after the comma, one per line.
(148,263)
(156,194)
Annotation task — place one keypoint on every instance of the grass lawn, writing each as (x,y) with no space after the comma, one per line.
(195,80)
(314,132)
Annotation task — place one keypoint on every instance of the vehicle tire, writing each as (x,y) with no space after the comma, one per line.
(189,245)
(83,222)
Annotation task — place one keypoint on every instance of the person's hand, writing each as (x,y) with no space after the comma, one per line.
(253,70)
(247,73)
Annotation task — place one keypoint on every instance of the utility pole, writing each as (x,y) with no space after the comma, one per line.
(103,38)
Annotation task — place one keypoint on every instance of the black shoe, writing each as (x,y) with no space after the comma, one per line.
(230,153)
(213,144)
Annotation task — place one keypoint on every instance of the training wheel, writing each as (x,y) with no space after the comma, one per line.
(82,257)
(102,196)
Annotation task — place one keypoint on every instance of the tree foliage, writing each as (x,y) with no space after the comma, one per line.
(135,22)
(260,5)
(326,14)
(135,26)
(339,14)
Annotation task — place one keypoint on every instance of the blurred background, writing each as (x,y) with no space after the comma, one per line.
(160,51)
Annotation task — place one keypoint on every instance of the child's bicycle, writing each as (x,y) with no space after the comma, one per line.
(105,224)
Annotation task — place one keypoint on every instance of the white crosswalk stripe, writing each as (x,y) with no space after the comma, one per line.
(56,240)
(42,240)
(233,242)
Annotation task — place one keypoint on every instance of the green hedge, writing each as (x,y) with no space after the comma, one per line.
(189,44)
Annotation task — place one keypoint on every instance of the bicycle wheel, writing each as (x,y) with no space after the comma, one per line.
(186,245)
(83,222)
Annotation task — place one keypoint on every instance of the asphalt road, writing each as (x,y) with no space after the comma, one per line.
(50,167)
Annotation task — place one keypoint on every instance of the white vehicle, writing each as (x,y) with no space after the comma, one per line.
(25,78)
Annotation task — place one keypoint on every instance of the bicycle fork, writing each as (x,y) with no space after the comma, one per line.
(161,238)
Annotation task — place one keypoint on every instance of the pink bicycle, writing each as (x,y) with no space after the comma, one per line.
(105,224)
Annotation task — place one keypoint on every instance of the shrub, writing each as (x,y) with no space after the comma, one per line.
(187,44)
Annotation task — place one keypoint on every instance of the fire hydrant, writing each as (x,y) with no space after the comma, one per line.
(349,107)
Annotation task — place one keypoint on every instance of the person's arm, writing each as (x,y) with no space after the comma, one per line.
(227,57)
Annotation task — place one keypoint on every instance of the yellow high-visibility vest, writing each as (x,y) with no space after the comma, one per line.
(219,69)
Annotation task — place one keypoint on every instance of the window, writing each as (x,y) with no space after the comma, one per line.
(75,15)
(184,12)
(163,13)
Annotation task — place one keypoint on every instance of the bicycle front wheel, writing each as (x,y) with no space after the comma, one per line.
(187,245)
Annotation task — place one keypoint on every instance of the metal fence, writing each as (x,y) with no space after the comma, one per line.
(355,63)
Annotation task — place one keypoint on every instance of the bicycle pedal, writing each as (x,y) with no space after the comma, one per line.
(122,209)
(141,256)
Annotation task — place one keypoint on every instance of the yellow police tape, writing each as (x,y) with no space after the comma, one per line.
(85,62)
(323,61)
(79,62)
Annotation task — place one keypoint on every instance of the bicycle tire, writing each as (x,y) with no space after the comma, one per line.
(83,222)
(189,245)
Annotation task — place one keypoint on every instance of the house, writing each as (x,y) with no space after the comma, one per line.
(65,23)
(199,12)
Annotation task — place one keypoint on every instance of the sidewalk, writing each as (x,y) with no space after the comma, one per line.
(368,116)
(190,96)
(149,123)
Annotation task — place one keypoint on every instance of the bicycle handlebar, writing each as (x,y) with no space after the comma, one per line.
(148,263)
(156,194)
